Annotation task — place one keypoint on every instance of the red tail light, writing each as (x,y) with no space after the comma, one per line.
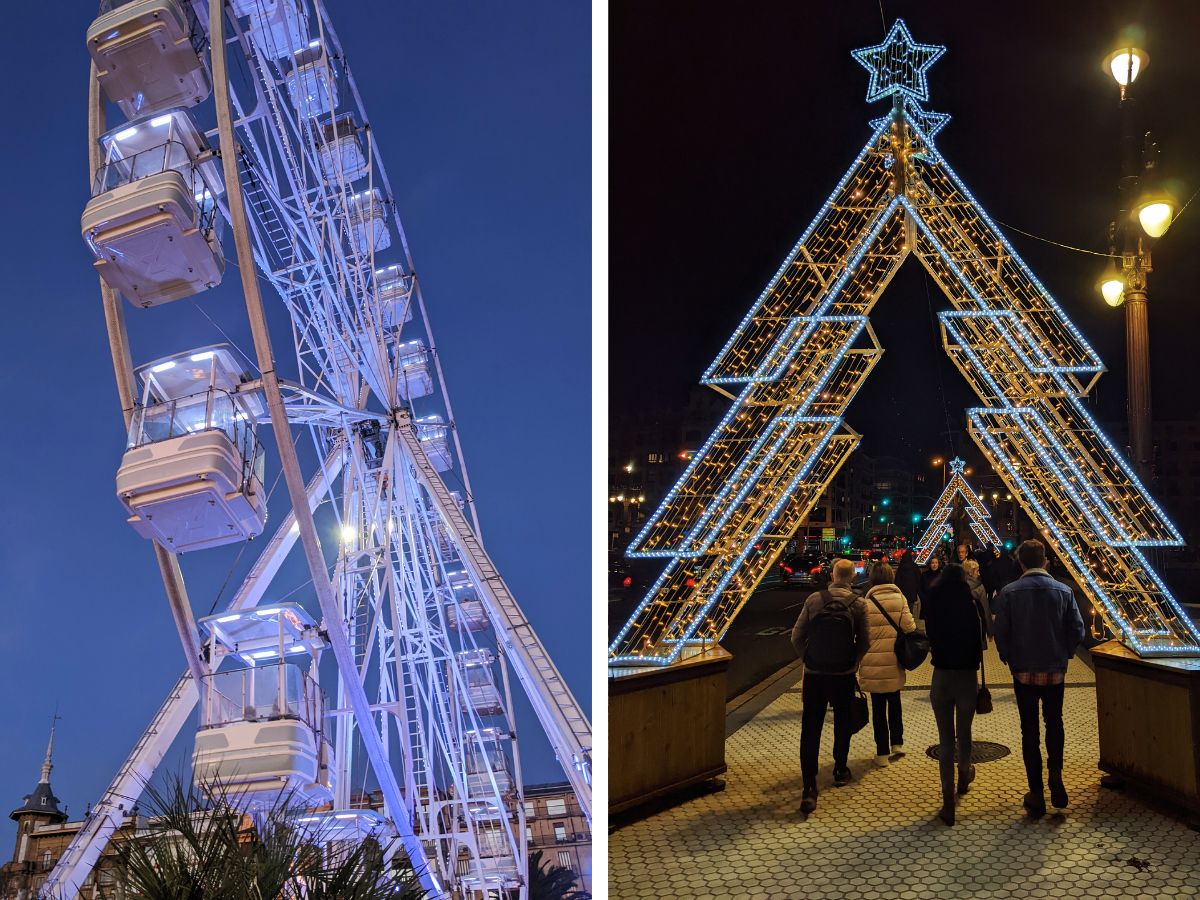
(627,582)
(787,569)
(815,570)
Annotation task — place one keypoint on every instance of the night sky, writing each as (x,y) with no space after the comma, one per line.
(483,116)
(730,127)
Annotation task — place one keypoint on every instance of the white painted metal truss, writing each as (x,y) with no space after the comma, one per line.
(800,356)
(422,626)
(939,517)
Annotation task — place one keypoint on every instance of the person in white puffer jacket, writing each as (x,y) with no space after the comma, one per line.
(880,674)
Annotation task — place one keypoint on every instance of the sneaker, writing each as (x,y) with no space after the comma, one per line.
(808,800)
(946,813)
(882,759)
(841,777)
(965,777)
(1035,805)
(897,749)
(1058,792)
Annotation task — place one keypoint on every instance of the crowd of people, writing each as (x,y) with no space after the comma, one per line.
(852,642)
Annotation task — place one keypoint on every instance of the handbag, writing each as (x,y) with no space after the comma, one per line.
(983,700)
(860,714)
(911,647)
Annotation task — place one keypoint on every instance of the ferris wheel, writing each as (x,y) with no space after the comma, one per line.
(243,140)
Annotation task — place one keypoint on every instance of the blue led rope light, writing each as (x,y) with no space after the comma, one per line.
(939,516)
(931,122)
(785,495)
(975,417)
(898,65)
(707,377)
(733,478)
(811,325)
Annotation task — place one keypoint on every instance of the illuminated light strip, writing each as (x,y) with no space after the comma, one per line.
(943,508)
(913,64)
(1117,616)
(1175,540)
(707,377)
(835,423)
(717,435)
(653,593)
(982,213)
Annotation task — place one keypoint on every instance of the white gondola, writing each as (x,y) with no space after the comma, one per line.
(340,150)
(261,735)
(434,435)
(486,760)
(192,476)
(152,222)
(394,290)
(475,667)
(277,27)
(466,615)
(412,360)
(367,215)
(312,84)
(149,55)
(354,825)
(262,724)
(497,866)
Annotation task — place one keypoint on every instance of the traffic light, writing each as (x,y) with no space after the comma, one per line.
(845,539)
(1008,545)
(883,518)
(916,518)
(887,501)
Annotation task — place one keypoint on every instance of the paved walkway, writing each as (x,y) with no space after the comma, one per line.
(878,838)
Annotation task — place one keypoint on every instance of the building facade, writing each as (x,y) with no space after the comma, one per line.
(555,825)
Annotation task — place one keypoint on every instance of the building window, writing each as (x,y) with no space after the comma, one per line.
(655,458)
(45,859)
(560,832)
(556,807)
(530,809)
(564,859)
(528,835)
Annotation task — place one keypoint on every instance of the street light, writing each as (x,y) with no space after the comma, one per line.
(1146,212)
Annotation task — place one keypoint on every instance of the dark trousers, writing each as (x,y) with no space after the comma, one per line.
(821,691)
(1051,698)
(887,722)
(952,696)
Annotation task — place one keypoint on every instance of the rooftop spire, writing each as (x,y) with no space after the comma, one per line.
(47,764)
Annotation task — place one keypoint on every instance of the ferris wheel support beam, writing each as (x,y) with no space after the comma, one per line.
(290,463)
(118,344)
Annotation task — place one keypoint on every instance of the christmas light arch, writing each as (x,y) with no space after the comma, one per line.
(943,509)
(806,346)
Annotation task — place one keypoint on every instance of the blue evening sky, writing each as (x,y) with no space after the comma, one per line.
(483,115)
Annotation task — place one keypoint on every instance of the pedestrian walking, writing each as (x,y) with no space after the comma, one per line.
(979,592)
(1004,569)
(908,579)
(880,673)
(832,637)
(955,633)
(1038,628)
(933,571)
(962,553)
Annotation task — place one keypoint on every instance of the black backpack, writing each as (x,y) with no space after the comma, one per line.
(831,638)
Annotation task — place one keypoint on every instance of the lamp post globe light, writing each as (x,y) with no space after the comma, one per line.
(1146,211)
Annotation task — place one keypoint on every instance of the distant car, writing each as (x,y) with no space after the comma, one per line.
(620,578)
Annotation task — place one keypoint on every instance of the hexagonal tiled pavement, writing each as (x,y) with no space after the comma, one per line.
(878,838)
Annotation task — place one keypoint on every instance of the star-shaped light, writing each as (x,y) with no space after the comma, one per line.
(929,122)
(898,65)
(957,465)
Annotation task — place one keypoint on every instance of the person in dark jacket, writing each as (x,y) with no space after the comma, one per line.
(1038,628)
(933,571)
(955,631)
(824,686)
(1004,569)
(908,579)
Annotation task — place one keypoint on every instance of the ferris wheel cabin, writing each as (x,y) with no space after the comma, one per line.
(367,214)
(262,723)
(312,84)
(412,359)
(475,667)
(340,150)
(394,290)
(276,27)
(434,435)
(192,476)
(153,222)
(150,55)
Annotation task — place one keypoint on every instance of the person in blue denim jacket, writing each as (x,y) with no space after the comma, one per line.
(1037,628)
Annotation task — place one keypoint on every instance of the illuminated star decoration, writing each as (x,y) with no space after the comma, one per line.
(929,122)
(898,65)
(957,465)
